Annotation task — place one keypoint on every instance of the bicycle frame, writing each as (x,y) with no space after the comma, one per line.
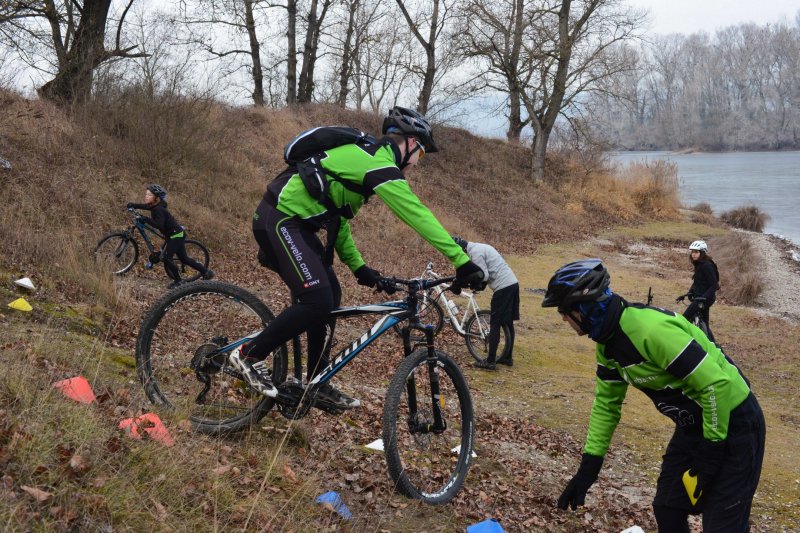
(393,312)
(440,296)
(144,229)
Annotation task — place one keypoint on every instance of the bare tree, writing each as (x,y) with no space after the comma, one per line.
(314,20)
(493,32)
(572,52)
(435,18)
(207,19)
(74,42)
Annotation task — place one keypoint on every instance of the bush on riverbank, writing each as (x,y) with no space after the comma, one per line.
(748,217)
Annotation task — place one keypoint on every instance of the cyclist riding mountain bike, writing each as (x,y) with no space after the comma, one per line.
(288,218)
(155,201)
(705,283)
(713,461)
(505,299)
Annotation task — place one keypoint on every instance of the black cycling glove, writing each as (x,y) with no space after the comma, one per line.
(575,493)
(367,276)
(707,463)
(129,205)
(469,275)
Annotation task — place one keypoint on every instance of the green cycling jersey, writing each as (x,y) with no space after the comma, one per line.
(687,377)
(374,170)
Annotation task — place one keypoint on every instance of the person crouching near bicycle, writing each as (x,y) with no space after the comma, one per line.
(286,223)
(713,461)
(505,298)
(705,283)
(155,201)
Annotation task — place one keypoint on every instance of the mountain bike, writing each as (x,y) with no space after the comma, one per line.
(473,324)
(182,361)
(119,251)
(697,319)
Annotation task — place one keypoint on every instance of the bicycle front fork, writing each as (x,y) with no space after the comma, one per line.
(416,422)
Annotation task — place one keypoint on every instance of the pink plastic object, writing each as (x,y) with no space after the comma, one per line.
(151,424)
(77,389)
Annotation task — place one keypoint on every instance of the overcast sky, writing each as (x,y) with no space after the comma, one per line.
(690,16)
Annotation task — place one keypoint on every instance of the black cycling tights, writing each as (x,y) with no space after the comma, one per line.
(178,247)
(671,520)
(308,314)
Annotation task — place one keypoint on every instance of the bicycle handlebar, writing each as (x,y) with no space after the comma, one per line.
(414,285)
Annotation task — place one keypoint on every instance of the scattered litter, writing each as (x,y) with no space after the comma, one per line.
(490,525)
(77,389)
(375,445)
(21,304)
(333,499)
(25,283)
(634,529)
(6,164)
(151,424)
(457,450)
(535,291)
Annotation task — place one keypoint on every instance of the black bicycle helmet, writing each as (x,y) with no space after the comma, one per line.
(409,122)
(575,283)
(461,242)
(158,190)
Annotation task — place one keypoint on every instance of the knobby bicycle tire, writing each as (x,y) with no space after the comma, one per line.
(400,444)
(176,345)
(109,246)
(477,336)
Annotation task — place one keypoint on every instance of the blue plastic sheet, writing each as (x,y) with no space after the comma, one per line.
(336,502)
(487,526)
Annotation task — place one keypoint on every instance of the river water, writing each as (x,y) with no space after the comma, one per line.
(769,180)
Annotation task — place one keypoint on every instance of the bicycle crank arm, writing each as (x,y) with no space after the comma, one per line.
(203,378)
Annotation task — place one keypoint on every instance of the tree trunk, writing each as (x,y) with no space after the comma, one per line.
(291,68)
(515,124)
(538,152)
(344,73)
(73,81)
(430,66)
(255,53)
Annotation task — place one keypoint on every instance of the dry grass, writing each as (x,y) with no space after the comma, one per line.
(739,265)
(748,217)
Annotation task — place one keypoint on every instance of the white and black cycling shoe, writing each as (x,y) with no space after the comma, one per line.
(327,393)
(256,373)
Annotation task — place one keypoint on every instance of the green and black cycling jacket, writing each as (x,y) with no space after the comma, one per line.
(687,377)
(374,168)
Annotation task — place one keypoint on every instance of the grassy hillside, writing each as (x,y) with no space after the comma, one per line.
(67,467)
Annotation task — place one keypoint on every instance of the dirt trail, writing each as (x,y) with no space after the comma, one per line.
(781,276)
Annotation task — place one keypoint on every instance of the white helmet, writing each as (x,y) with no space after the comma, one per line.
(700,246)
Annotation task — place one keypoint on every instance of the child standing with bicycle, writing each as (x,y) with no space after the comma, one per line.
(705,284)
(155,201)
(505,298)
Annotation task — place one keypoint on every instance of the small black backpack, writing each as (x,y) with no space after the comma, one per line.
(305,150)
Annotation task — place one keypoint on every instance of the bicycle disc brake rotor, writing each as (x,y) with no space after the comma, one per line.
(423,439)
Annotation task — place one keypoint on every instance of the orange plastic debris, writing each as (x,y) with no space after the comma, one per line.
(151,424)
(77,389)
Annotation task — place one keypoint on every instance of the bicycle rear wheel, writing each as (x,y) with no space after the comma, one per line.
(178,350)
(477,337)
(117,253)
(196,251)
(425,464)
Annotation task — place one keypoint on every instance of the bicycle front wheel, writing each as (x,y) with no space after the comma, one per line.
(477,336)
(182,363)
(424,462)
(116,253)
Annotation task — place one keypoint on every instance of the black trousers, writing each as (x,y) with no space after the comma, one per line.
(504,311)
(177,246)
(293,250)
(726,506)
